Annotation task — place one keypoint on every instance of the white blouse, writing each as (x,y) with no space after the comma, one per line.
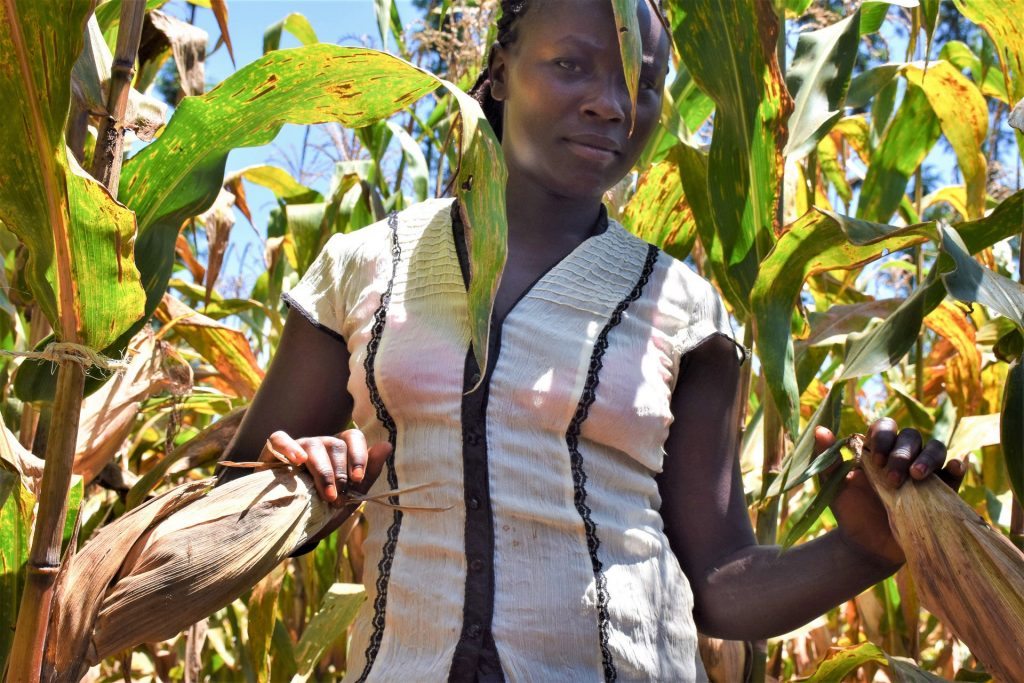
(553,545)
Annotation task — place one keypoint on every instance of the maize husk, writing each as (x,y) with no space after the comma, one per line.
(173,561)
(725,661)
(967,573)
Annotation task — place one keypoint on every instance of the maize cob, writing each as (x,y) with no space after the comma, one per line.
(175,560)
(967,573)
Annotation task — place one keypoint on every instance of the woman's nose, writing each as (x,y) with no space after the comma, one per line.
(609,99)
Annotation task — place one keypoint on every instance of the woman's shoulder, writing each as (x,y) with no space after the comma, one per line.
(405,227)
(676,278)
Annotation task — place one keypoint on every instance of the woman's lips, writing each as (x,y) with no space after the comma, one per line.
(592,151)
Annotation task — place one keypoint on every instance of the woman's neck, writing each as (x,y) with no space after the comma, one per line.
(539,219)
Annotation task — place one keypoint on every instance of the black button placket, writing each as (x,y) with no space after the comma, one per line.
(478,608)
(475,644)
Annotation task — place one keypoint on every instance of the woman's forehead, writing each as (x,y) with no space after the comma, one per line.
(591,23)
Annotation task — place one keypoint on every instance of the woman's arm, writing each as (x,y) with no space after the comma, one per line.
(301,408)
(742,591)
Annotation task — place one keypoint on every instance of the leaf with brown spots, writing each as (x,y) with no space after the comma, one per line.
(79,239)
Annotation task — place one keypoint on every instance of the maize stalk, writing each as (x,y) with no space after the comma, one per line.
(967,573)
(173,561)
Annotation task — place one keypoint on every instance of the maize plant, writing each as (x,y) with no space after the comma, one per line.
(845,173)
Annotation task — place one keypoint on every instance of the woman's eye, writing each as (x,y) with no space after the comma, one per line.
(567,64)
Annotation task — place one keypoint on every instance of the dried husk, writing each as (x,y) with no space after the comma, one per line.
(174,560)
(967,573)
(725,661)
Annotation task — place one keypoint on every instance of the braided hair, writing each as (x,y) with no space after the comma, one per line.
(511,12)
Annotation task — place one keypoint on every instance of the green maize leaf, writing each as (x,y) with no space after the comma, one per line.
(906,670)
(630,47)
(296,24)
(842,662)
(108,15)
(819,77)
(1001,19)
(481,190)
(919,415)
(990,81)
(800,463)
(884,345)
(874,11)
(816,243)
(832,326)
(278,181)
(16,504)
(967,280)
(729,48)
(389,21)
(337,611)
(1011,427)
(832,169)
(79,239)
(797,8)
(930,20)
(865,85)
(415,163)
(828,492)
(689,102)
(693,171)
(906,142)
(659,213)
(963,116)
(180,174)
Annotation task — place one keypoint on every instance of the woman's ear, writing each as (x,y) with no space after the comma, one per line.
(497,69)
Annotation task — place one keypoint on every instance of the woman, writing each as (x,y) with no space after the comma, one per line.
(598,515)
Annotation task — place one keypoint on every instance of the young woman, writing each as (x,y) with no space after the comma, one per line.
(597,514)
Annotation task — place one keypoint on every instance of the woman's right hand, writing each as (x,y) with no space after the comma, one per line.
(336,463)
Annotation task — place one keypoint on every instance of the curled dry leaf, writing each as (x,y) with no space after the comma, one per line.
(174,560)
(967,573)
(109,414)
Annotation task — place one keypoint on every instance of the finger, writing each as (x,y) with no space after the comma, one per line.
(357,454)
(929,460)
(823,440)
(337,451)
(320,468)
(953,473)
(281,443)
(377,456)
(903,453)
(881,439)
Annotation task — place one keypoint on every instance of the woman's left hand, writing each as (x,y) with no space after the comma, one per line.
(862,518)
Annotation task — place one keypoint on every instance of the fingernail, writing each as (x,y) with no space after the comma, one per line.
(330,492)
(895,478)
(919,469)
(357,472)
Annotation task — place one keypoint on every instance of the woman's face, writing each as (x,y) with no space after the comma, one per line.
(566,105)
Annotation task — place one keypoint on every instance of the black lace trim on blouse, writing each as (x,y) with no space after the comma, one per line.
(388,554)
(579,475)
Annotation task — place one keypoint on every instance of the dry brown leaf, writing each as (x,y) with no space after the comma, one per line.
(186,42)
(218,221)
(109,414)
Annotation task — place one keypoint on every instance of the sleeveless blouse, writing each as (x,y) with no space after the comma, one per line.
(551,550)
